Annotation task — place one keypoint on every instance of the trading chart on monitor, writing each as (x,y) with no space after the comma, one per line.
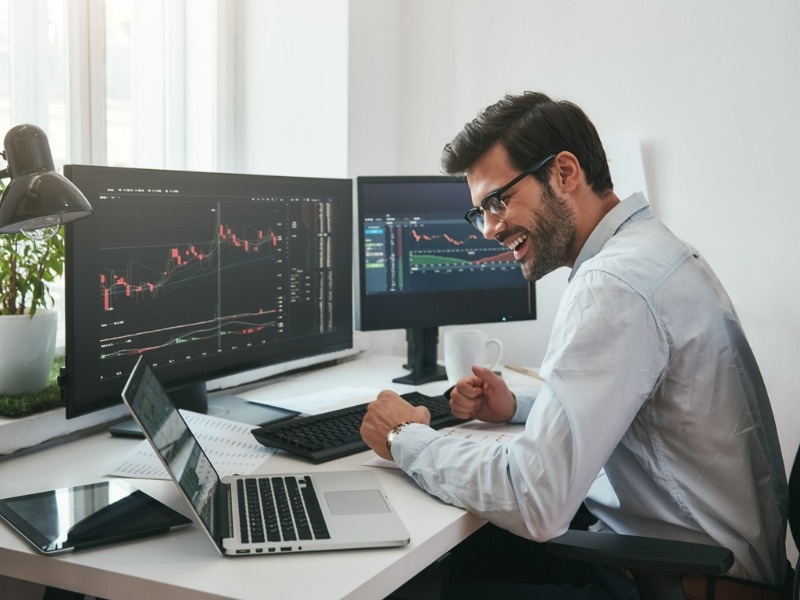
(210,277)
(407,252)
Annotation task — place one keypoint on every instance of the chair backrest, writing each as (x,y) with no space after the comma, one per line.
(794,500)
(794,518)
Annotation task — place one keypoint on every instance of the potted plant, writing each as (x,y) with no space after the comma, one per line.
(27,327)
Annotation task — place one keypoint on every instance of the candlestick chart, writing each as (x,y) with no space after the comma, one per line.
(222,282)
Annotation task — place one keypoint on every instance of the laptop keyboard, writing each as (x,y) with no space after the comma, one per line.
(334,434)
(279,509)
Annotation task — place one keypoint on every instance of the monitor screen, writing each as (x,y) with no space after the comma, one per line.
(421,266)
(207,274)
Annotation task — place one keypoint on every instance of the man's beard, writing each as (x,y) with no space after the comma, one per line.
(552,236)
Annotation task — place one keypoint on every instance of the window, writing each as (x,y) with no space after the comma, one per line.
(168,74)
(5,68)
(135,83)
(33,69)
(141,83)
(119,85)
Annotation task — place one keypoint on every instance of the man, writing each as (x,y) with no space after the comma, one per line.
(652,412)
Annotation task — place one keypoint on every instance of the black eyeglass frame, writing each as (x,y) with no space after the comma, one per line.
(474,216)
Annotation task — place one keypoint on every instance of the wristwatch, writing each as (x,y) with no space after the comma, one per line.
(393,434)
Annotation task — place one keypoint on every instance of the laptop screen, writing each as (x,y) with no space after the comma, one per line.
(179,450)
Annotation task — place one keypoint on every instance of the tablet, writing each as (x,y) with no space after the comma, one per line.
(72,518)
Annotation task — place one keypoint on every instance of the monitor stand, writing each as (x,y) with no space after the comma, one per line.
(423,353)
(195,398)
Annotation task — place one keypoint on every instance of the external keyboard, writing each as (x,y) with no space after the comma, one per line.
(323,437)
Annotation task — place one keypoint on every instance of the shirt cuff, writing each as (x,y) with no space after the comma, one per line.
(525,399)
(410,441)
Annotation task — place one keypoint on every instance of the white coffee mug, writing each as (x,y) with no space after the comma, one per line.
(466,347)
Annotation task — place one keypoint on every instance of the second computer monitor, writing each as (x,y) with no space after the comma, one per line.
(421,266)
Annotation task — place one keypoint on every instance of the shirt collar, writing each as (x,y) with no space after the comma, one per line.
(608,227)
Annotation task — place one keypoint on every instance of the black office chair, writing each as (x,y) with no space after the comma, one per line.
(658,567)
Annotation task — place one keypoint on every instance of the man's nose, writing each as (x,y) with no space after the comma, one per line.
(492,225)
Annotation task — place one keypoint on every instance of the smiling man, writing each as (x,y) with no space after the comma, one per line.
(653,412)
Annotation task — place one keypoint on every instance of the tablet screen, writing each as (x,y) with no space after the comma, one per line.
(83,516)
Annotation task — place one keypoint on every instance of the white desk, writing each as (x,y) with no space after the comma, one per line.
(184,564)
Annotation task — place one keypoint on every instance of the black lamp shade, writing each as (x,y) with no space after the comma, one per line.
(36,196)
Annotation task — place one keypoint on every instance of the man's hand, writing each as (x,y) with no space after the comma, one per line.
(483,395)
(384,414)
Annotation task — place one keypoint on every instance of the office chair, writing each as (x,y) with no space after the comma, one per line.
(658,566)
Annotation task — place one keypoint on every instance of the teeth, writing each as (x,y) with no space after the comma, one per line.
(514,243)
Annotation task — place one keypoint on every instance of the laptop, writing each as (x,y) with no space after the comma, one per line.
(246,515)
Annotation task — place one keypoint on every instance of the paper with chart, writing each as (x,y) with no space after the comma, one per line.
(230,447)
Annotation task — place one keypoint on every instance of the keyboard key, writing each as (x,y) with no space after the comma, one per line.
(272,528)
(315,517)
(284,511)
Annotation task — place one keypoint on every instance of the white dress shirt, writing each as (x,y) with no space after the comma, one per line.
(653,411)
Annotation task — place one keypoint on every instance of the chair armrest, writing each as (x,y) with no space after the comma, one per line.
(642,553)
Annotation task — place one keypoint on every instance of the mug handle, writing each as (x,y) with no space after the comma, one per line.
(499,345)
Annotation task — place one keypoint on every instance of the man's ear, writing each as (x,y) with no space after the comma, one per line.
(566,173)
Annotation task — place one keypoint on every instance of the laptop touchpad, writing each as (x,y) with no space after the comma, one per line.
(356,502)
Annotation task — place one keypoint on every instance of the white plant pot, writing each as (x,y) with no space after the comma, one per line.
(27,348)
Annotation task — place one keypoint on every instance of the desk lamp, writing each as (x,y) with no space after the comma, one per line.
(37,200)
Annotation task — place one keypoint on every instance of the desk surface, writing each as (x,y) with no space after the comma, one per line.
(184,564)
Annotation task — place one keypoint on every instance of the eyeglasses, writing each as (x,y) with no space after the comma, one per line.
(495,204)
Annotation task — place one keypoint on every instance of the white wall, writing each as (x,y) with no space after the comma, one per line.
(711,89)
(291,78)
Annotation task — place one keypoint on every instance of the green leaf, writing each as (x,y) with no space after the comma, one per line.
(26,270)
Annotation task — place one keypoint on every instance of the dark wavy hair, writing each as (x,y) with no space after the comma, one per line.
(531,126)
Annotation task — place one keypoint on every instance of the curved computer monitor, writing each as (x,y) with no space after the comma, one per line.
(207,274)
(421,266)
